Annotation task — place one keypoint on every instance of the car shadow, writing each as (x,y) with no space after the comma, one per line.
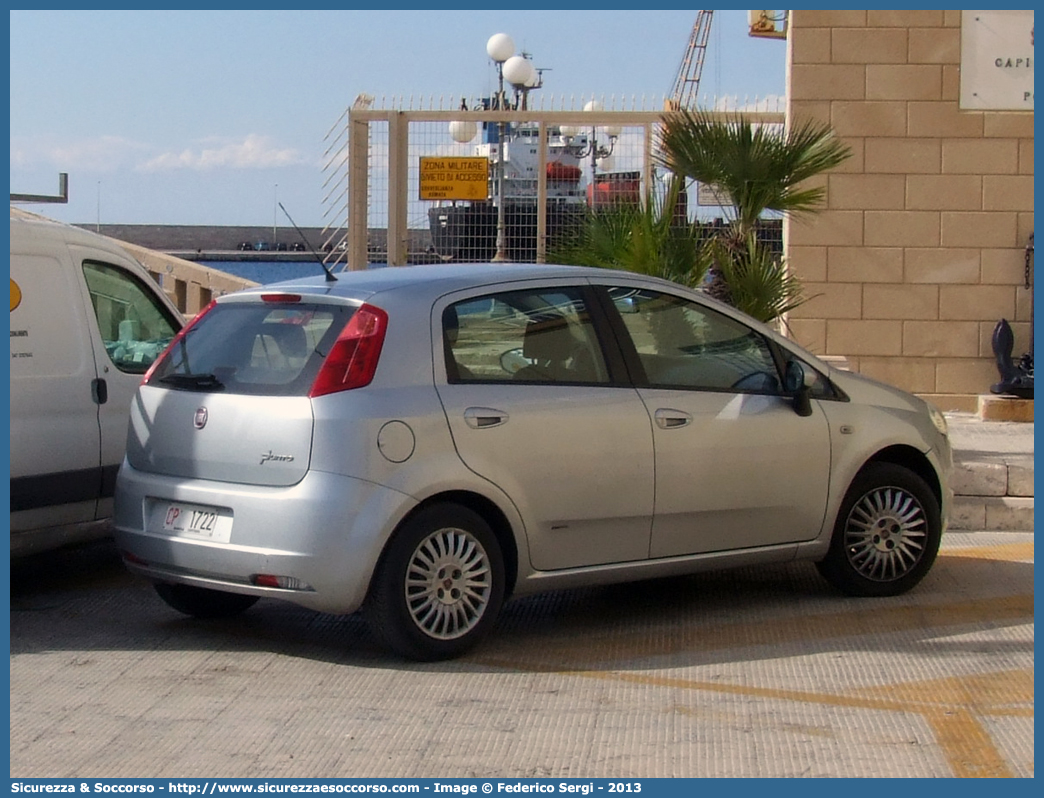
(83,600)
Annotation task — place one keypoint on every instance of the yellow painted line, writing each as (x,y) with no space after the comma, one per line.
(1012,712)
(1009,552)
(848,701)
(594,648)
(960,701)
(986,693)
(951,706)
(967,745)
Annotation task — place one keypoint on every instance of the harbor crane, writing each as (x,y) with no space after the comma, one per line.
(687,83)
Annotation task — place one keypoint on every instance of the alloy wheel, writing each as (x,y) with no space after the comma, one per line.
(448,583)
(885,534)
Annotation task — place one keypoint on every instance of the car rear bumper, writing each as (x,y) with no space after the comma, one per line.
(326,532)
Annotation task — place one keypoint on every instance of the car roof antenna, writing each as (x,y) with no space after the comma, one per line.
(329,274)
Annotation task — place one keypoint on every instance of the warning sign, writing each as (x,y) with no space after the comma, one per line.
(454,178)
(709,195)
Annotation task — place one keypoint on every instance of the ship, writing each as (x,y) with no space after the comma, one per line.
(466,230)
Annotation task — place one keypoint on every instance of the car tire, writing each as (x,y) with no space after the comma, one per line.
(200,602)
(439,585)
(886,535)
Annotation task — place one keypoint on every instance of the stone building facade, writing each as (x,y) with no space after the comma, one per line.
(921,246)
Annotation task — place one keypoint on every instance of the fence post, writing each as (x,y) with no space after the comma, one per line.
(541,200)
(358,190)
(398,181)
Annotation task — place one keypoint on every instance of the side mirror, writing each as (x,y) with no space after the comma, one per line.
(798,381)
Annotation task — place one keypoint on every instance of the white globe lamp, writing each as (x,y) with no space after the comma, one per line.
(518,71)
(500,47)
(462,131)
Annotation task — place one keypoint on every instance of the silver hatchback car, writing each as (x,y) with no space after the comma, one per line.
(424,442)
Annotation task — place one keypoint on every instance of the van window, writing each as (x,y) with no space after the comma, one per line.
(135,326)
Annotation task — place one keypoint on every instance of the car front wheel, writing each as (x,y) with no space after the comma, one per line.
(886,535)
(439,586)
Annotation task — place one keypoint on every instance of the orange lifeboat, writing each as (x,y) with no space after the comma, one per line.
(563,172)
(614,187)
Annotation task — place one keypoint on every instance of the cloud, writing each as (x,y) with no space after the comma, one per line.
(254,152)
(772,103)
(102,154)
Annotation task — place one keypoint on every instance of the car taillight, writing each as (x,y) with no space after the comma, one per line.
(353,358)
(176,340)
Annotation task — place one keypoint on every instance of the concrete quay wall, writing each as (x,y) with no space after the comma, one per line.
(201,241)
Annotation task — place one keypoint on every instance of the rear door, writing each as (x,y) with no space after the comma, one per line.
(537,404)
(230,401)
(129,325)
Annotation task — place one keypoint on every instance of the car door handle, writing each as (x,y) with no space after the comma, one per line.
(484,417)
(99,391)
(666,418)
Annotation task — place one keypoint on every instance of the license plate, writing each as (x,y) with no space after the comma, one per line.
(198,521)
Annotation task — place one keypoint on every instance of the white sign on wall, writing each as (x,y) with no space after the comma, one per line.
(997,60)
(708,195)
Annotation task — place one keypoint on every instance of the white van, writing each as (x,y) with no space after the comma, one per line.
(87,320)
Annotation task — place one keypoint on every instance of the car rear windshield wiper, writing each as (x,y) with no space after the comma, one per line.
(196,382)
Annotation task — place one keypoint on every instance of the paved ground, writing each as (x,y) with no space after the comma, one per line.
(978,440)
(993,475)
(746,673)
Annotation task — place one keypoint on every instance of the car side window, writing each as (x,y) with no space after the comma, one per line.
(682,344)
(135,327)
(538,336)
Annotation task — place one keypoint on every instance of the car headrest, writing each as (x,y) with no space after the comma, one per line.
(290,338)
(548,339)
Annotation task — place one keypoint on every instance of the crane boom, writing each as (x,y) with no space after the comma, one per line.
(687,83)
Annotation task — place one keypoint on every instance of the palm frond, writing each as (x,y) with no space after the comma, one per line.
(641,238)
(757,168)
(758,281)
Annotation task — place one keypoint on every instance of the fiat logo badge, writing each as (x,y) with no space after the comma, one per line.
(200,419)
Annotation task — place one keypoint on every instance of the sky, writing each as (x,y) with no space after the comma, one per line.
(214,117)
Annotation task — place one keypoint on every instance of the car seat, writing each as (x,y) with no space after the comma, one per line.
(549,346)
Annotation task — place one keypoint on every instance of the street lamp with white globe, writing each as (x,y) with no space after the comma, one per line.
(597,152)
(462,131)
(501,48)
(520,73)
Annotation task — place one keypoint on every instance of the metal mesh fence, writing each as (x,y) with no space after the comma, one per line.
(488,184)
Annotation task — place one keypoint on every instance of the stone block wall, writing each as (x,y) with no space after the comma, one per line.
(920,248)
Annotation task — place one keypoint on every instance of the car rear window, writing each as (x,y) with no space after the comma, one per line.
(267,349)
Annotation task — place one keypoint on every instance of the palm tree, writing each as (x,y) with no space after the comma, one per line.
(639,237)
(752,278)
(755,168)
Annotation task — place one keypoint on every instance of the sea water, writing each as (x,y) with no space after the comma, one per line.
(266,271)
